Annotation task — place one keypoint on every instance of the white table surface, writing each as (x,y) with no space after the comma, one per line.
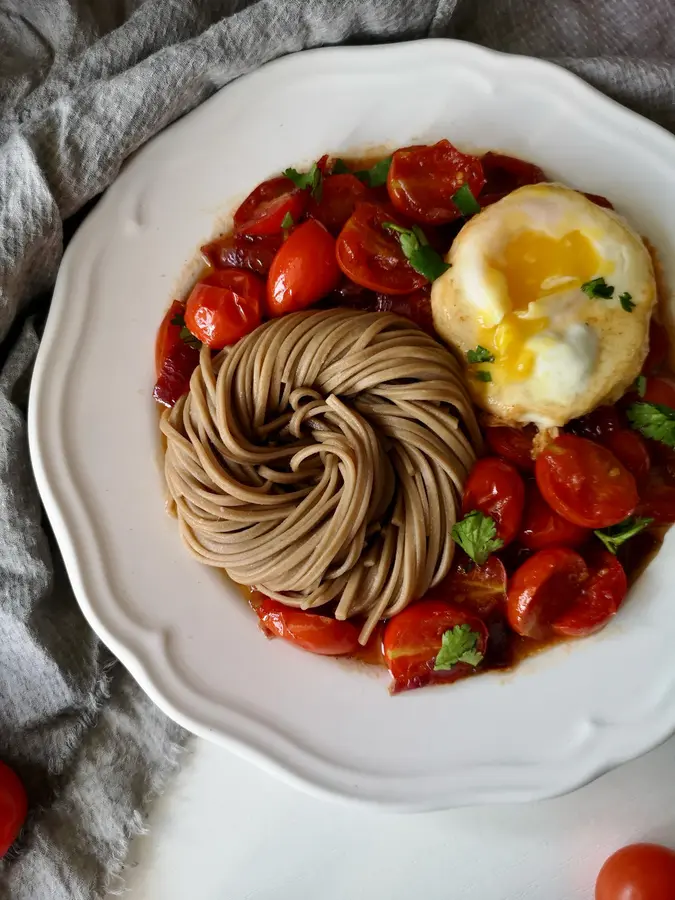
(226,831)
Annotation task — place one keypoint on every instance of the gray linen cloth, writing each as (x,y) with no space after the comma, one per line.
(83,83)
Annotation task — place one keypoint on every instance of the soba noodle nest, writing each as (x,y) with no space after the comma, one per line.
(322,458)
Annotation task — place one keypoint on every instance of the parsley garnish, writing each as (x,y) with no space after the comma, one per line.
(476,534)
(287,221)
(653,420)
(340,167)
(626,301)
(465,201)
(185,334)
(417,251)
(598,287)
(376,175)
(640,385)
(458,645)
(616,535)
(480,355)
(483,375)
(312,180)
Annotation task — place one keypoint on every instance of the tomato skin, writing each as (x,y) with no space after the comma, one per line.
(303,271)
(175,360)
(315,633)
(225,306)
(413,638)
(263,211)
(495,488)
(480,590)
(585,483)
(513,444)
(658,348)
(371,256)
(504,174)
(541,588)
(339,197)
(631,451)
(239,251)
(638,872)
(543,527)
(13,807)
(600,598)
(423,179)
(168,336)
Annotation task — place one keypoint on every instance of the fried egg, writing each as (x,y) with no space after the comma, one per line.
(521,290)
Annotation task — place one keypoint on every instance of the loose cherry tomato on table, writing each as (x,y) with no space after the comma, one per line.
(543,527)
(422,181)
(480,590)
(585,483)
(371,256)
(339,197)
(174,359)
(13,807)
(303,271)
(311,631)
(266,207)
(638,872)
(496,488)
(413,640)
(504,174)
(513,444)
(239,251)
(225,306)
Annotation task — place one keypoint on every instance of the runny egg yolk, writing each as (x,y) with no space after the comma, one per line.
(534,265)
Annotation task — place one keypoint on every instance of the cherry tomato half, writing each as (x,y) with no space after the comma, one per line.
(303,271)
(631,451)
(225,306)
(175,360)
(659,390)
(13,807)
(495,488)
(265,208)
(480,590)
(638,872)
(168,336)
(339,197)
(311,631)
(657,498)
(504,174)
(423,180)
(372,256)
(513,444)
(239,251)
(658,348)
(413,638)
(585,483)
(599,598)
(543,527)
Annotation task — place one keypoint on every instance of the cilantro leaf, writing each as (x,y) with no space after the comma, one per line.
(287,221)
(458,645)
(312,180)
(480,355)
(626,301)
(340,167)
(376,175)
(640,385)
(616,535)
(483,375)
(476,534)
(598,287)
(653,420)
(417,251)
(465,201)
(185,334)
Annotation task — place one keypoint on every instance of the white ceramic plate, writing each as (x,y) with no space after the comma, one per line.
(561,718)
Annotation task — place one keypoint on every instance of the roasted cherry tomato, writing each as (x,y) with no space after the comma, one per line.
(599,599)
(168,336)
(638,872)
(543,527)
(659,390)
(413,638)
(339,197)
(658,348)
(415,306)
(495,488)
(504,174)
(657,498)
(597,424)
(542,588)
(423,180)
(225,306)
(303,271)
(239,251)
(585,483)
(311,631)
(599,200)
(174,359)
(631,450)
(265,208)
(372,256)
(513,444)
(477,589)
(13,807)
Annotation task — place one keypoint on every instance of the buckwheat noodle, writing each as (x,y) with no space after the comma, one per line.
(322,458)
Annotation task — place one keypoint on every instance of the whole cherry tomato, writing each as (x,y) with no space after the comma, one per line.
(240,251)
(13,807)
(303,271)
(585,483)
(413,639)
(598,600)
(638,872)
(313,632)
(422,181)
(371,255)
(225,306)
(513,444)
(174,359)
(480,590)
(495,488)
(265,208)
(504,174)
(543,527)
(339,197)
